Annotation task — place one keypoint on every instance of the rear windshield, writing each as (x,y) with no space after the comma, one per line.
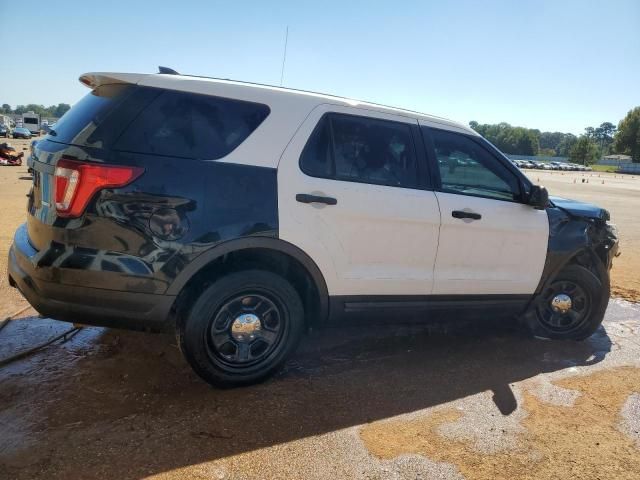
(78,126)
(31,120)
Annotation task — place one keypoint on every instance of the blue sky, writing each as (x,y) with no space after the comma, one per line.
(552,65)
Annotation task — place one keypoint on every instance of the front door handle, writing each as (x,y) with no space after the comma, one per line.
(308,198)
(463,214)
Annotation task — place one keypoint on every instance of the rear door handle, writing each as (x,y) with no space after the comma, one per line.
(307,198)
(463,214)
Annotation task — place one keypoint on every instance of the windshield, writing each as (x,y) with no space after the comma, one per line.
(78,126)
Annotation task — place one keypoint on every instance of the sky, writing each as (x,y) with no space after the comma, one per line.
(555,65)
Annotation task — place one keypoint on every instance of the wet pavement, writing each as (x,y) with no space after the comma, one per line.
(356,402)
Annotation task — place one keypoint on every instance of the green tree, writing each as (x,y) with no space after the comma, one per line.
(6,108)
(627,140)
(547,152)
(60,110)
(514,140)
(566,144)
(584,151)
(604,136)
(590,132)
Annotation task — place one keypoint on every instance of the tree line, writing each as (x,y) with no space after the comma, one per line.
(587,148)
(55,111)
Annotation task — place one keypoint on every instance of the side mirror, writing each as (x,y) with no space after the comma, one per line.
(538,197)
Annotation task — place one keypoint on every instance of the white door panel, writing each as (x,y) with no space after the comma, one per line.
(502,253)
(377,240)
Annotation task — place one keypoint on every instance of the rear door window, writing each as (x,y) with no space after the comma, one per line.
(361,149)
(186,125)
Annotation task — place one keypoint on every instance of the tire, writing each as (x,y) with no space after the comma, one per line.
(588,297)
(242,328)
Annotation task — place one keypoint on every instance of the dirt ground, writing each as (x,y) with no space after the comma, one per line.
(15,183)
(410,402)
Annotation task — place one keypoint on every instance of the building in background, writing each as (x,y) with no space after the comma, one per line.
(615,160)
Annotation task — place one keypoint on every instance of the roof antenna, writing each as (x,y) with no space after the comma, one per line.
(167,70)
(284,56)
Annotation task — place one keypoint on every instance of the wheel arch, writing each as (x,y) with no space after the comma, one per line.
(258,252)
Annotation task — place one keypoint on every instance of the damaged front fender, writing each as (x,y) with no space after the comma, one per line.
(579,233)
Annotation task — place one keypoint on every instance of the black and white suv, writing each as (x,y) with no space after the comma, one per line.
(239,215)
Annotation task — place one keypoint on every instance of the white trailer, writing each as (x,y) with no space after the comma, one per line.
(31,121)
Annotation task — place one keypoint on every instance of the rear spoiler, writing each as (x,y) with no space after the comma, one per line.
(95,79)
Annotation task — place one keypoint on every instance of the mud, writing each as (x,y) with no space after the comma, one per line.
(579,441)
(124,405)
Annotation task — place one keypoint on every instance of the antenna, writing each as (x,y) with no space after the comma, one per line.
(284,56)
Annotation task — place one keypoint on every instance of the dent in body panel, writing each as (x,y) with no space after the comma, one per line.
(570,236)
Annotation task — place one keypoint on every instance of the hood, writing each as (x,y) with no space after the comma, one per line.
(580,209)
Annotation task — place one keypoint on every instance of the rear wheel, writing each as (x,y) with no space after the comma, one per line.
(571,306)
(242,328)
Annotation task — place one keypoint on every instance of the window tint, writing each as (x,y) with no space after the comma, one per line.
(79,125)
(468,168)
(186,125)
(361,149)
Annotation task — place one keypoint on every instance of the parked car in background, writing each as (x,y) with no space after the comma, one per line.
(238,216)
(5,131)
(21,132)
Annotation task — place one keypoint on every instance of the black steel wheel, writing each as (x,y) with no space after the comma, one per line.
(564,307)
(242,328)
(246,329)
(571,306)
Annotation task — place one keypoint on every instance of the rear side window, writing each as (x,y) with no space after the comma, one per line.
(361,149)
(186,125)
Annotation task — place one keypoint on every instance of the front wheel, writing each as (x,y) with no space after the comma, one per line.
(242,328)
(571,306)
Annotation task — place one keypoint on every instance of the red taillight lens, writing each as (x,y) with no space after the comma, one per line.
(76,183)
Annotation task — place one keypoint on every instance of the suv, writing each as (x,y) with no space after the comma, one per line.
(238,215)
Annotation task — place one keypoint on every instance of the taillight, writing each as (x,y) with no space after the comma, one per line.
(76,183)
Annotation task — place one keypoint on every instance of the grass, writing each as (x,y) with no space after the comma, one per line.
(605,168)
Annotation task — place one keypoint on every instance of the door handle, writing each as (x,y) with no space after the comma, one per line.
(463,214)
(308,198)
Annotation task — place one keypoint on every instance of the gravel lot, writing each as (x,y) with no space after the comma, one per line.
(379,403)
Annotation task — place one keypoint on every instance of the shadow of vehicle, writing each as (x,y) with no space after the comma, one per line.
(129,406)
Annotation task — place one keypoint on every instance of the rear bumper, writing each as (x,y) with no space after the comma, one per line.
(91,306)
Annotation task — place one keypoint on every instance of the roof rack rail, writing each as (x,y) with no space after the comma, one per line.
(167,70)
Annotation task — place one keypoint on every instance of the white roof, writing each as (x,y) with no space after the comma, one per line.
(255,92)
